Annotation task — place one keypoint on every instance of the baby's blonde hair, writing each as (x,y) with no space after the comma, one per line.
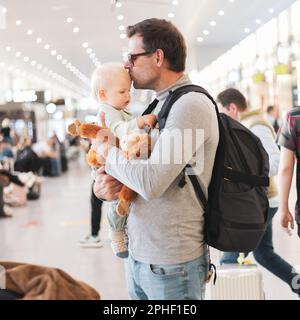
(105,75)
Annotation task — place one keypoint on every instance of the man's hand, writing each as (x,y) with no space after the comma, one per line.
(106,187)
(286,221)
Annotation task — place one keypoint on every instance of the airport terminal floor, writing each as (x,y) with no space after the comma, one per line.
(47,232)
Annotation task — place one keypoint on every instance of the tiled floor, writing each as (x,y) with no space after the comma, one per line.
(47,231)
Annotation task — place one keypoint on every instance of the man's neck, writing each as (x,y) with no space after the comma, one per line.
(167,79)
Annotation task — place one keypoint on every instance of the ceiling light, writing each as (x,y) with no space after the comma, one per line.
(51,108)
(200,39)
(65,61)
(85,45)
(39,66)
(92,56)
(121,28)
(18,54)
(221,13)
(69,20)
(122,35)
(171,15)
(118,4)
(8,48)
(258,21)
(39,40)
(206,32)
(53,52)
(175,2)
(231,1)
(26,59)
(59,57)
(76,29)
(120,17)
(247,30)
(33,63)
(271,10)
(29,32)
(18,22)
(2,64)
(46,46)
(213,23)
(4,10)
(89,50)
(68,65)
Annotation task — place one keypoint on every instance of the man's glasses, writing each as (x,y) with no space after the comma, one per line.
(131,57)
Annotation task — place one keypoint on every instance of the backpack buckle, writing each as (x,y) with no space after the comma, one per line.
(227,173)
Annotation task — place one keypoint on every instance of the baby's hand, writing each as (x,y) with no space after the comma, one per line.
(148,120)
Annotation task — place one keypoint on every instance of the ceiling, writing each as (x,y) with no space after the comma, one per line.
(99,27)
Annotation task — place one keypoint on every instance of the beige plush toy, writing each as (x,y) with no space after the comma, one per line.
(133,146)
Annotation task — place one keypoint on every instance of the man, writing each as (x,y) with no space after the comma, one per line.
(272,117)
(168,254)
(234,104)
(288,140)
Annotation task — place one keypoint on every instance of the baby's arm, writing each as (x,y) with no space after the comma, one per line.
(117,124)
(148,120)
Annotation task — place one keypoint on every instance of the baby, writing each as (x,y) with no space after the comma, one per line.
(111,86)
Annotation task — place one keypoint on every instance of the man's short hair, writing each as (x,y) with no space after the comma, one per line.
(162,34)
(232,95)
(270,109)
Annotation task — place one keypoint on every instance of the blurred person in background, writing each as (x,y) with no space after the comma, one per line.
(273,117)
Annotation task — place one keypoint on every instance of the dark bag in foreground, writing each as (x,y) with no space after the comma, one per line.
(237,206)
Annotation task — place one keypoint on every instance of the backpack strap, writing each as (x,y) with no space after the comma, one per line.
(151,107)
(242,177)
(174,96)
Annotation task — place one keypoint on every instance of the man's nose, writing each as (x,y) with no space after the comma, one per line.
(127,65)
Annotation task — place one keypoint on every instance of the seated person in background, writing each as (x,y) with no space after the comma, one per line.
(50,157)
(26,159)
(6,154)
(111,86)
(5,149)
(5,130)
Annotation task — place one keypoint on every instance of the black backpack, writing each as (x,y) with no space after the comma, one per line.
(237,207)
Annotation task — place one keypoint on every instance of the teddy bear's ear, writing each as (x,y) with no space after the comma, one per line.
(73,128)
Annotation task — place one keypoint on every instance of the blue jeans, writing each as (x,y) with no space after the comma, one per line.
(184,281)
(264,254)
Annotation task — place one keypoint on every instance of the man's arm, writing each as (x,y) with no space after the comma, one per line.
(285,176)
(151,178)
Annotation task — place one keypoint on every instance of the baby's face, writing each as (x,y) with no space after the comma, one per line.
(118,94)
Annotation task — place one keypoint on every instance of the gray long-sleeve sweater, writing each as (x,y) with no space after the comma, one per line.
(165,225)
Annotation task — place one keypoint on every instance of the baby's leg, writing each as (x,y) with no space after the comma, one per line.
(117,232)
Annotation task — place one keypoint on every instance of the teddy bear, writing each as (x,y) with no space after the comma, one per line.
(134,145)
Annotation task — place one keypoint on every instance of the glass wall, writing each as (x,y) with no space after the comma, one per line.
(265,66)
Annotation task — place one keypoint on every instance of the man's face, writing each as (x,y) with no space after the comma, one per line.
(142,70)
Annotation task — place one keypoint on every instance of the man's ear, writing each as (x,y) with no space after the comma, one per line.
(160,57)
(101,94)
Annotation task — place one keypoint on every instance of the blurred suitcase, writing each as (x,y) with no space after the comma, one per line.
(237,282)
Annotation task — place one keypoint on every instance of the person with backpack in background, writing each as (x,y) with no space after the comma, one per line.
(168,256)
(288,140)
(234,104)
